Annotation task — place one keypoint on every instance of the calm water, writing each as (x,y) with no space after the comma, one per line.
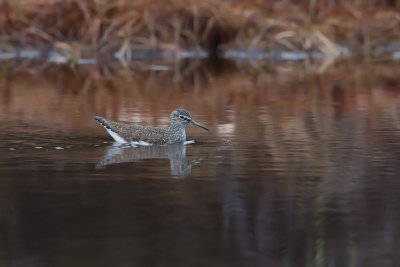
(301,167)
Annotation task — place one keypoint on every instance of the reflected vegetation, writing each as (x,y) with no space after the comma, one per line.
(302,166)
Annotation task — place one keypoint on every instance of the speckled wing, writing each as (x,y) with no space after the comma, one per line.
(124,133)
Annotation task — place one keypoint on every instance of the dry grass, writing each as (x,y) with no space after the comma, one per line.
(99,26)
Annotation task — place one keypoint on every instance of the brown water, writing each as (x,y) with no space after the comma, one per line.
(299,168)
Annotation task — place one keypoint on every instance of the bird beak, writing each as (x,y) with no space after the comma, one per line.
(198,124)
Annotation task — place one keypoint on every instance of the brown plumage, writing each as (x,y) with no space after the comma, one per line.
(175,132)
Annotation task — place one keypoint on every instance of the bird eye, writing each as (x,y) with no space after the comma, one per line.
(182,117)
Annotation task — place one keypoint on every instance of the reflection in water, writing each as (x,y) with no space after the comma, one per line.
(176,153)
(302,169)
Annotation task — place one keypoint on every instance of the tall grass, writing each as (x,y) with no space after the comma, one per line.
(173,25)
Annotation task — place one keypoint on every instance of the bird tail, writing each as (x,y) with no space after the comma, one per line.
(102,121)
(108,125)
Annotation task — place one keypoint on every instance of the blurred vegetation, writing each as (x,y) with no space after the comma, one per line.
(101,27)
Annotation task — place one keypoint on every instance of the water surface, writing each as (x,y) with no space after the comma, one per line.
(299,168)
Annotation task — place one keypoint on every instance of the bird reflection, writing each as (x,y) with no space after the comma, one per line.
(176,153)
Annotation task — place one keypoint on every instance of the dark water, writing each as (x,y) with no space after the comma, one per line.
(300,167)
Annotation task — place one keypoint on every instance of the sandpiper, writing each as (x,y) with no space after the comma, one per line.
(175,132)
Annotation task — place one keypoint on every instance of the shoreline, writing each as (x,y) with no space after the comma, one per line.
(125,30)
(67,56)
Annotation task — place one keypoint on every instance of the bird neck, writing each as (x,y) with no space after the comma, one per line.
(177,132)
(176,128)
